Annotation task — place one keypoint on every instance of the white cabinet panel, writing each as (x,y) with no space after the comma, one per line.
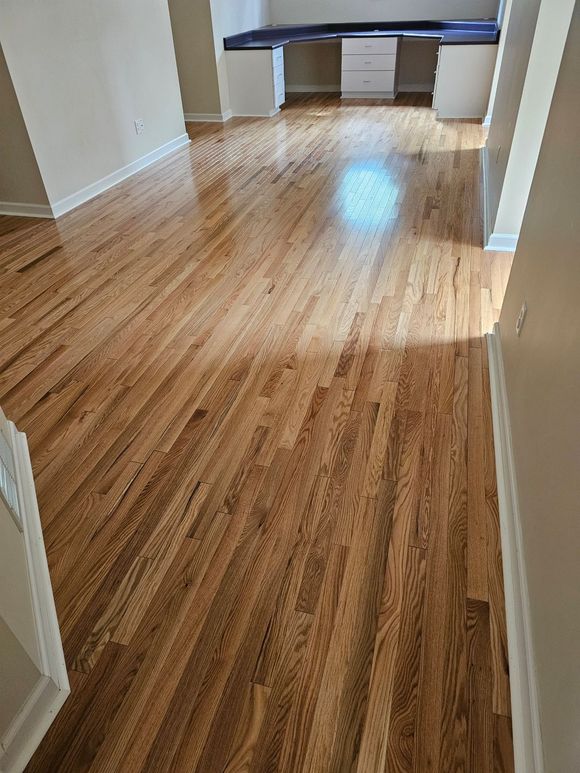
(463,81)
(370,67)
(368,81)
(369,45)
(369,62)
(256,81)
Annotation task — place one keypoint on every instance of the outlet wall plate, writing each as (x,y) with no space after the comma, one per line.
(139,126)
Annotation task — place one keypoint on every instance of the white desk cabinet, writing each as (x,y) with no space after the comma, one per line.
(370,67)
(256,80)
(463,80)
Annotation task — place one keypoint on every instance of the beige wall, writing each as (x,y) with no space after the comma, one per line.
(228,18)
(417,64)
(20,180)
(194,50)
(534,40)
(543,382)
(319,65)
(313,64)
(83,70)
(320,11)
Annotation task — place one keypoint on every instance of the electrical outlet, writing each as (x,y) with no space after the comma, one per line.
(139,126)
(521,318)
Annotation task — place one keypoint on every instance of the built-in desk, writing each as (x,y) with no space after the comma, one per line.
(370,52)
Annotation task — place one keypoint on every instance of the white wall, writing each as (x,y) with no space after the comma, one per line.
(20,180)
(535,36)
(543,382)
(83,70)
(320,11)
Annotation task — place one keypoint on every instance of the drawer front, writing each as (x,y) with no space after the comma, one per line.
(279,97)
(368,81)
(279,89)
(361,62)
(369,45)
(278,73)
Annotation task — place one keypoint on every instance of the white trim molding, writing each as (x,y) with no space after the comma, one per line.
(52,687)
(486,123)
(100,186)
(502,242)
(269,114)
(492,241)
(25,210)
(524,701)
(208,117)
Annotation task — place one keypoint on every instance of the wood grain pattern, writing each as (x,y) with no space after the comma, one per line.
(256,394)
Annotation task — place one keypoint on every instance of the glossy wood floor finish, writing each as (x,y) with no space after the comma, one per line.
(257,401)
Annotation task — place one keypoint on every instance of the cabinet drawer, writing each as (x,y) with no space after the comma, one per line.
(363,62)
(368,81)
(279,86)
(369,45)
(279,96)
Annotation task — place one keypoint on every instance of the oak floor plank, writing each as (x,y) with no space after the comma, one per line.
(402,724)
(256,394)
(455,705)
(480,721)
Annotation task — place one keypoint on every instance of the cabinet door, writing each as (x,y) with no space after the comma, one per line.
(463,81)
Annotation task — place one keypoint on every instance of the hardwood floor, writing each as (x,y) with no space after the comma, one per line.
(256,394)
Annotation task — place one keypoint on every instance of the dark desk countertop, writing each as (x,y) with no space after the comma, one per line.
(446,32)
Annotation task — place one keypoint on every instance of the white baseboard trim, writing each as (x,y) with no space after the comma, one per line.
(85,194)
(525,711)
(208,117)
(463,116)
(25,210)
(52,688)
(297,88)
(413,88)
(484,157)
(502,242)
(269,114)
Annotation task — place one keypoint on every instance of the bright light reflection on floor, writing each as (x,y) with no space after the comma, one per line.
(366,194)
